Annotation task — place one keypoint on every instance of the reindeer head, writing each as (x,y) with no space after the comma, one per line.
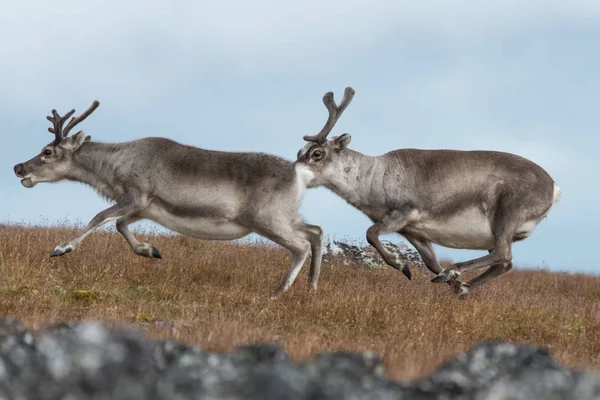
(320,152)
(53,163)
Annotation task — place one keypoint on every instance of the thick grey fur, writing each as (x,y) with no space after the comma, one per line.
(206,194)
(482,200)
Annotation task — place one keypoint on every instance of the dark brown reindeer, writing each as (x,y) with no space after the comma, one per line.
(211,195)
(459,199)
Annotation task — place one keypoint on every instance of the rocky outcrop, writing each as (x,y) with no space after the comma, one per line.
(90,361)
(367,256)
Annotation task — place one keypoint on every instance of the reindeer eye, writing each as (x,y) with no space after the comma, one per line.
(47,152)
(317,154)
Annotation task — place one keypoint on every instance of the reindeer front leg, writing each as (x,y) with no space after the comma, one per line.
(141,249)
(425,250)
(393,221)
(110,214)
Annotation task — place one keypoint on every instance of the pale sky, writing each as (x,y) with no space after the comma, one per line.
(513,76)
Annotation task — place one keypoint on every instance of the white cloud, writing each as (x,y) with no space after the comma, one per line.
(147,47)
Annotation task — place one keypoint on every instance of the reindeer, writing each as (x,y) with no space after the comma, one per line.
(212,195)
(482,200)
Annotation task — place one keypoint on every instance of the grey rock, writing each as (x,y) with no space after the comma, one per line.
(506,371)
(343,375)
(367,256)
(90,361)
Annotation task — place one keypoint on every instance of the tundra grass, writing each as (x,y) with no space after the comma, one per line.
(216,295)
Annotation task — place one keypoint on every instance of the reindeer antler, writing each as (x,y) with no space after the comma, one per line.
(335,112)
(58,122)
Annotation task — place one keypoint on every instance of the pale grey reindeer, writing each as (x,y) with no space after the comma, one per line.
(206,194)
(482,200)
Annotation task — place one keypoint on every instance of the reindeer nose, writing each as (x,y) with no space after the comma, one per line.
(19,170)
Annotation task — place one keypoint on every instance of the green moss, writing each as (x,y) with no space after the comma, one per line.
(83,295)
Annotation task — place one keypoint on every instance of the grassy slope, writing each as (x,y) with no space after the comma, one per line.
(215,295)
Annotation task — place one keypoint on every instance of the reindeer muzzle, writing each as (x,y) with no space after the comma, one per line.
(19,170)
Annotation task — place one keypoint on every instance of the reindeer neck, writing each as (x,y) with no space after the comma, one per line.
(95,165)
(355,176)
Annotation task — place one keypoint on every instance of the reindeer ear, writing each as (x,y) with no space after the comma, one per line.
(339,143)
(74,142)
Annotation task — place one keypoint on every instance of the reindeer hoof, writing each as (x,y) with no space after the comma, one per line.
(463,291)
(455,285)
(146,250)
(276,295)
(406,272)
(397,264)
(447,275)
(61,250)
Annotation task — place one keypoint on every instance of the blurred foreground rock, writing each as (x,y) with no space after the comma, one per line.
(367,256)
(89,361)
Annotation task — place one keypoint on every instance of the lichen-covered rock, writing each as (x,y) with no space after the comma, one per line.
(343,375)
(367,256)
(89,361)
(507,371)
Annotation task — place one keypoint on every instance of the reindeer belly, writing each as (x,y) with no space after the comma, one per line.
(198,227)
(469,229)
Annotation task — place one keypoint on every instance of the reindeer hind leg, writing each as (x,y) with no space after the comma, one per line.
(293,240)
(314,234)
(504,225)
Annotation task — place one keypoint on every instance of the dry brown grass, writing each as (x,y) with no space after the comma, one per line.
(216,295)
